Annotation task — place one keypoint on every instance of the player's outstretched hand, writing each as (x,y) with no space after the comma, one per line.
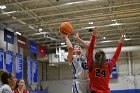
(94,31)
(122,38)
(76,36)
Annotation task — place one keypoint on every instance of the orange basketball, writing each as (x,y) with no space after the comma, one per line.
(66,28)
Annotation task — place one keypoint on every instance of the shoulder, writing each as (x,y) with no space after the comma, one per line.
(5,86)
(6,89)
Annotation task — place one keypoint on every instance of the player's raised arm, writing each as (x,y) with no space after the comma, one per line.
(90,49)
(84,43)
(117,52)
(69,47)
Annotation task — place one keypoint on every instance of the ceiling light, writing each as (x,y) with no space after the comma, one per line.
(72,3)
(106,41)
(62,43)
(115,24)
(91,0)
(18,33)
(103,37)
(80,2)
(69,3)
(40,29)
(113,20)
(9,12)
(90,27)
(2,6)
(127,39)
(123,35)
(90,23)
(37,34)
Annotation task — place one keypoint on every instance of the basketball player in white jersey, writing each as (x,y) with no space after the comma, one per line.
(78,63)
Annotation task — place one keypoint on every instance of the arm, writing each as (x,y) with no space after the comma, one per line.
(84,43)
(7,90)
(70,50)
(90,52)
(117,53)
(69,47)
(90,49)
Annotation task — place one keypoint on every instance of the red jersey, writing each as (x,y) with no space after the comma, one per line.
(100,76)
(25,91)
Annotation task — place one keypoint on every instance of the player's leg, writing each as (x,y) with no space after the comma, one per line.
(82,86)
(75,87)
(87,86)
(78,87)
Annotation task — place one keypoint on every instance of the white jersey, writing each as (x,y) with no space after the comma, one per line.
(79,67)
(5,89)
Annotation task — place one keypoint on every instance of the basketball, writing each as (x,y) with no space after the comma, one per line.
(66,28)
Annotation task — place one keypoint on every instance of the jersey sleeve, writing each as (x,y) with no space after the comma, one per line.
(90,52)
(6,90)
(115,56)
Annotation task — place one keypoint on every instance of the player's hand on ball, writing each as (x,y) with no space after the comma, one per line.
(62,34)
(122,38)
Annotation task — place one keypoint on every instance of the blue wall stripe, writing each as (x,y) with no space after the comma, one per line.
(126,91)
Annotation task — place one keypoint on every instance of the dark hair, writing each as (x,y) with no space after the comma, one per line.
(4,76)
(18,83)
(100,58)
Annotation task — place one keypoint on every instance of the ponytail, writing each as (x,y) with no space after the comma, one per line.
(100,58)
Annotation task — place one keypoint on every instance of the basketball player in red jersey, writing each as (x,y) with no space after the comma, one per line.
(99,69)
